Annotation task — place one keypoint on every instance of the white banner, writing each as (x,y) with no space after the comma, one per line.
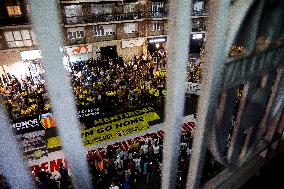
(193,88)
(81,49)
(49,163)
(132,42)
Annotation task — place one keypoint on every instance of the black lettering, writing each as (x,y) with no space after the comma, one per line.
(134,121)
(108,128)
(141,119)
(100,130)
(118,125)
(87,133)
(126,123)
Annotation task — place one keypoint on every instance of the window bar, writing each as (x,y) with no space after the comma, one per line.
(45,17)
(11,159)
(179,37)
(215,58)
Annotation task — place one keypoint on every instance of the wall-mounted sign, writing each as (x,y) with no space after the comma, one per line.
(132,42)
(197,36)
(81,49)
(31,55)
(157,39)
(193,88)
(26,125)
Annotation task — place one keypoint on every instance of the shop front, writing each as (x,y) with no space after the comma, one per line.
(78,53)
(196,42)
(156,43)
(26,65)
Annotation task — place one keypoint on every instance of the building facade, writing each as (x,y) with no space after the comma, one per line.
(93,29)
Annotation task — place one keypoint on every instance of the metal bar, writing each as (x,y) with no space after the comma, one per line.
(237,16)
(215,58)
(238,132)
(45,17)
(263,123)
(11,159)
(239,71)
(220,130)
(280,129)
(176,84)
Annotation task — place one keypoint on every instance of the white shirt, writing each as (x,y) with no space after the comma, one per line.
(156,149)
(114,187)
(144,148)
(119,163)
(137,163)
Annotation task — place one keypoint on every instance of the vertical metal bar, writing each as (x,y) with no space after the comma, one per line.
(45,17)
(11,160)
(215,57)
(179,36)
(264,120)
(280,129)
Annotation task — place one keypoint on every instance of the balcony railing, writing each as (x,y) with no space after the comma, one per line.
(14,21)
(104,18)
(203,12)
(76,41)
(157,14)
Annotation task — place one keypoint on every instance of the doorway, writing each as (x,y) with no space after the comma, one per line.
(108,52)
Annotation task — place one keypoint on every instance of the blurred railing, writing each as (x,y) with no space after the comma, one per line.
(104,18)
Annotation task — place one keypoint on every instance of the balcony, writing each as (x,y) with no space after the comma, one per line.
(114,17)
(10,21)
(76,41)
(105,38)
(201,13)
(157,14)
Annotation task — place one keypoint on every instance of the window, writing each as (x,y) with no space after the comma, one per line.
(156,26)
(104,30)
(198,5)
(102,8)
(76,33)
(131,27)
(72,12)
(28,9)
(130,8)
(157,7)
(19,38)
(14,10)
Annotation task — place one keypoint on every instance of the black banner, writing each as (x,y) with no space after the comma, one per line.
(27,125)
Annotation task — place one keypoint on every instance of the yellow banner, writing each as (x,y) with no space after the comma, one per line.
(118,129)
(53,142)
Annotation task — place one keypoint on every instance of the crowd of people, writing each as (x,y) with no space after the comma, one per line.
(115,84)
(139,167)
(108,83)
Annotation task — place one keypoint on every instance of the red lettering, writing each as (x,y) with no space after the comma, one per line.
(55,164)
(44,166)
(36,169)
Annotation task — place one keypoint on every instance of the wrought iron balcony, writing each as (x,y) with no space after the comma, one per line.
(200,13)
(104,18)
(76,41)
(157,14)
